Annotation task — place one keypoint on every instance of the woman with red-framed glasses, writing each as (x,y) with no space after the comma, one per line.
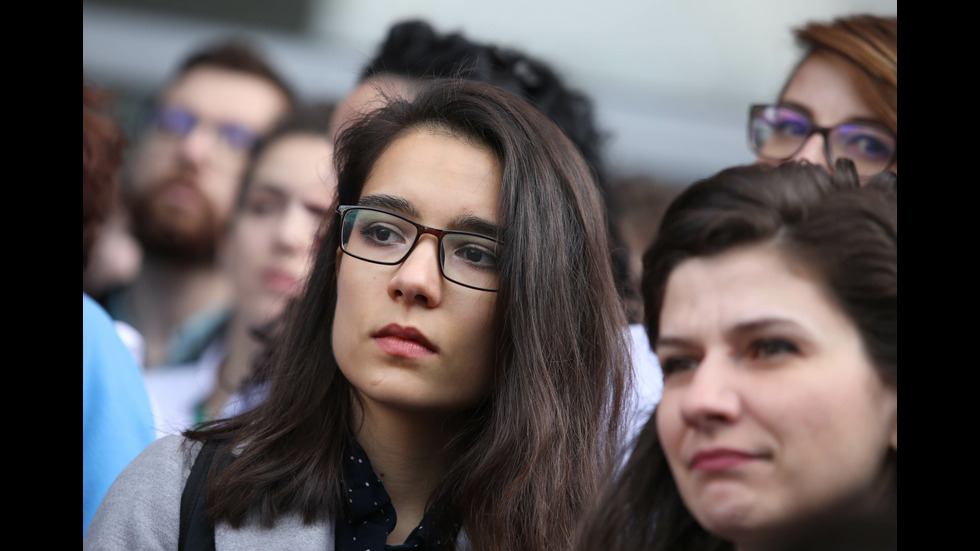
(841,100)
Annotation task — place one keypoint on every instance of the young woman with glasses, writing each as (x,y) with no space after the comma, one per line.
(453,375)
(771,295)
(841,100)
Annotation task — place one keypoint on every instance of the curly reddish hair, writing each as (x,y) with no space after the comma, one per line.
(102,145)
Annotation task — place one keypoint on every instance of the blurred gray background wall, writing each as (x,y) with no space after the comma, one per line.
(671,79)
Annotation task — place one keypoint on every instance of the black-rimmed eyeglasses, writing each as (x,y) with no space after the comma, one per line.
(382,237)
(777,132)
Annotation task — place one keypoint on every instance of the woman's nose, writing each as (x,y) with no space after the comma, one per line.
(711,397)
(814,151)
(418,278)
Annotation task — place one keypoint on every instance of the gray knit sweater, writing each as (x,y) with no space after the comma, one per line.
(141,510)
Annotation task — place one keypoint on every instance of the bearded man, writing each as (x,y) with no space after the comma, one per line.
(180,185)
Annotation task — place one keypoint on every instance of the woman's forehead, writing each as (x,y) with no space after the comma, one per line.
(435,175)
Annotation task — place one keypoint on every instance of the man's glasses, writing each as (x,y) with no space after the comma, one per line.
(376,235)
(777,132)
(179,122)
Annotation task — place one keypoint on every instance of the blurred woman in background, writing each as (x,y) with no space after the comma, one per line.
(283,202)
(841,100)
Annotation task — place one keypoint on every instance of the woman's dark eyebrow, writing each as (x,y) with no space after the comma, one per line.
(266,187)
(677,342)
(797,107)
(868,121)
(740,329)
(762,324)
(390,202)
(475,224)
(809,114)
(463,222)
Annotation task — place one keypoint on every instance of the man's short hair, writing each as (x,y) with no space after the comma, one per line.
(241,55)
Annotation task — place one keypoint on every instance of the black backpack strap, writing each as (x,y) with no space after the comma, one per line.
(196,530)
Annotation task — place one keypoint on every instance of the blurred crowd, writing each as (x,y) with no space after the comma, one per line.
(430,314)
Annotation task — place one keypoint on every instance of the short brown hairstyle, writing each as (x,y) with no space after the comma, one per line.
(237,54)
(868,45)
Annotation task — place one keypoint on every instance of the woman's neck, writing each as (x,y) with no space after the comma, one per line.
(410,454)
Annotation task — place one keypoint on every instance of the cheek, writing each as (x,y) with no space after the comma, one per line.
(669,424)
(221,189)
(313,238)
(481,321)
(834,437)
(248,255)
(483,324)
(804,421)
(670,432)
(151,163)
(344,317)
(249,245)
(479,342)
(843,409)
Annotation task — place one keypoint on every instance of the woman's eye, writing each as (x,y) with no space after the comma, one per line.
(678,364)
(261,207)
(869,146)
(792,128)
(380,234)
(477,256)
(318,212)
(766,349)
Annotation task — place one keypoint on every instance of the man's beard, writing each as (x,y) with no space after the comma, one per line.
(178,235)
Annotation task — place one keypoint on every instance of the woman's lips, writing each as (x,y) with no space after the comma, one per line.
(720,459)
(405,342)
(281,282)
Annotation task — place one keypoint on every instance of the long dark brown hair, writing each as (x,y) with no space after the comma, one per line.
(846,233)
(530,458)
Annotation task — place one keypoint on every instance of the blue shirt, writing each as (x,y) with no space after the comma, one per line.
(117,421)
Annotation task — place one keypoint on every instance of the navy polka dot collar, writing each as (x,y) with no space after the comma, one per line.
(370,516)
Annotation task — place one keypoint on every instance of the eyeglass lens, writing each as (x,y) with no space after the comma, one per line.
(180,122)
(381,237)
(778,133)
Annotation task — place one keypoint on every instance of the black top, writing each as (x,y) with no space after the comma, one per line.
(371,514)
